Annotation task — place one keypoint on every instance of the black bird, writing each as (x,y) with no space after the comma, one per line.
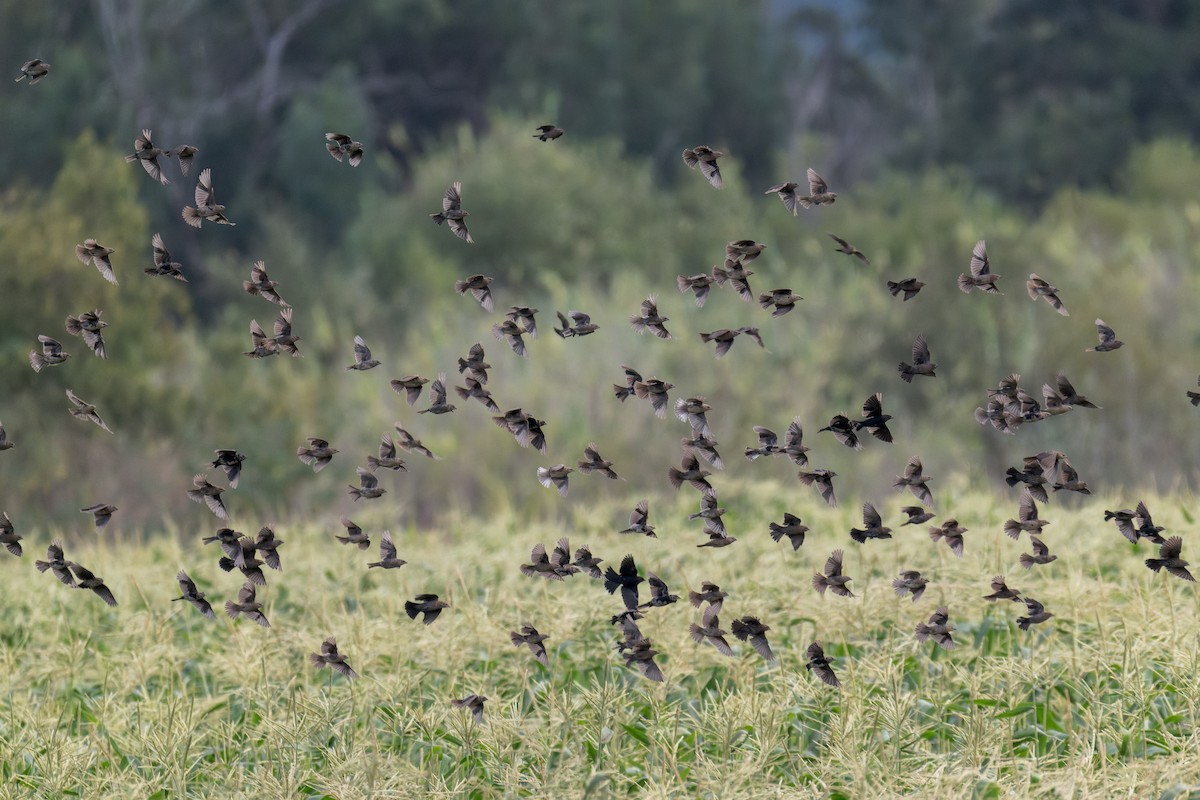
(753,630)
(910,581)
(387,554)
(230,461)
(843,430)
(329,655)
(660,595)
(529,636)
(1000,591)
(632,378)
(833,579)
(792,528)
(626,580)
(1169,553)
(1069,396)
(822,480)
(910,287)
(245,561)
(873,526)
(193,595)
(874,420)
(1146,528)
(921,363)
(427,604)
(820,665)
(84,579)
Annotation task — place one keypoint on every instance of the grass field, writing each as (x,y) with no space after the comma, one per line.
(151,700)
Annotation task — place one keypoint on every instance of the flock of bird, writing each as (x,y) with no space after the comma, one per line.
(1008,407)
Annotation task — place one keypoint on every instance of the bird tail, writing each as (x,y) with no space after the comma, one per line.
(192,216)
(777,531)
(439,218)
(900,588)
(411,609)
(36,360)
(906,372)
(1013,529)
(965,283)
(1156,563)
(231,609)
(1013,476)
(611,581)
(226,564)
(858,536)
(316,660)
(923,631)
(675,477)
(894,288)
(1026,560)
(1023,623)
(820,583)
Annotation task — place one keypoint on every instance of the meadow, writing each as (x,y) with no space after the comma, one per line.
(151,700)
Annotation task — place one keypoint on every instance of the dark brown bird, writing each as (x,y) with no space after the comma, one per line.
(742,251)
(1146,528)
(405,441)
(818,191)
(849,249)
(1041,554)
(1069,395)
(753,630)
(689,471)
(768,444)
(548,133)
(593,462)
(480,287)
(529,636)
(5,442)
(102,512)
(921,362)
(8,535)
(709,593)
(792,528)
(96,253)
(387,458)
(718,536)
(84,579)
(1037,614)
(229,461)
(1169,553)
(475,363)
(910,582)
(833,579)
(186,153)
(692,410)
(525,428)
(783,301)
(147,155)
(916,515)
(57,565)
(354,535)
(582,326)
(910,287)
(555,476)
(526,317)
(873,527)
(437,397)
(1000,591)
(737,276)
(981,275)
(639,521)
(206,207)
(655,391)
(632,378)
(368,486)
(1070,481)
(1108,338)
(874,420)
(586,562)
(473,703)
(261,284)
(787,194)
(1040,288)
(650,319)
(660,595)
(822,479)
(427,604)
(329,655)
(544,565)
(724,338)
(819,665)
(261,345)
(205,492)
(938,628)
(1027,519)
(710,511)
(317,455)
(285,340)
(705,158)
(627,580)
(246,561)
(843,430)
(247,603)
(193,595)
(362,356)
(1052,402)
(709,632)
(387,554)
(410,386)
(342,146)
(950,532)
(915,481)
(1125,521)
(228,540)
(510,332)
(793,446)
(85,411)
(35,70)
(453,215)
(703,447)
(699,285)
(1032,476)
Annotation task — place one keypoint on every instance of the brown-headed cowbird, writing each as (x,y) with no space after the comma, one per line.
(427,604)
(938,628)
(768,444)
(34,69)
(329,655)
(526,317)
(710,511)
(632,378)
(783,301)
(317,455)
(206,207)
(1146,528)
(650,319)
(230,462)
(480,287)
(1032,476)
(57,565)
(1069,395)
(627,580)
(410,386)
(525,428)
(639,521)
(387,458)
(342,146)
(147,155)
(1040,288)
(1037,614)
(437,397)
(703,447)
(689,471)
(916,515)
(267,544)
(529,637)
(818,664)
(921,362)
(792,528)
(8,535)
(843,430)
(833,579)
(408,443)
(541,565)
(548,133)
(474,704)
(710,633)
(205,492)
(193,595)
(874,420)
(586,562)
(910,287)
(793,444)
(101,512)
(261,345)
(699,285)
(787,194)
(582,326)
(247,603)
(737,276)
(818,191)
(1000,591)
(1052,402)
(85,411)
(1040,555)
(873,527)
(705,158)
(1070,481)
(709,593)
(362,356)
(753,630)
(387,554)
(99,255)
(718,536)
(593,462)
(510,332)
(1027,519)
(655,391)
(951,533)
(354,535)
(84,579)
(845,247)
(475,363)
(261,284)
(660,595)
(910,582)
(1169,553)
(368,486)
(228,540)
(555,476)
(285,340)
(1108,338)
(453,215)
(822,480)
(915,481)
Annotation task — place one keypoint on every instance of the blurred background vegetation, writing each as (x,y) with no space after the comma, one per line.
(1062,133)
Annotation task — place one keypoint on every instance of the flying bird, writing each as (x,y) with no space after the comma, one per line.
(261,284)
(698,284)
(592,461)
(261,345)
(937,628)
(284,339)
(724,338)
(910,287)
(387,554)
(583,325)
(548,133)
(529,637)
(555,476)
(8,535)
(910,582)
(655,391)
(873,527)
(1194,397)
(317,455)
(793,444)
(586,562)
(822,480)
(1037,614)
(981,276)
(843,430)
(474,704)
(205,492)
(35,70)
(1040,288)
(475,363)
(692,410)
(511,333)
(186,154)
(660,595)
(627,580)
(768,444)
(736,275)
(845,247)
(753,630)
(1108,338)
(1040,555)
(99,255)
(147,155)
(101,512)
(409,386)
(783,301)
(387,458)
(650,320)
(329,655)
(689,471)
(88,325)
(916,515)
(818,191)
(639,520)
(193,595)
(709,632)
(84,579)
(247,603)
(874,420)
(206,207)
(362,356)
(409,444)
(437,397)
(1027,519)
(921,361)
(480,288)
(453,215)
(85,411)
(788,195)
(819,665)
(951,533)
(342,146)
(230,462)
(5,442)
(833,579)
(1169,553)
(792,528)
(1069,396)
(368,486)
(915,481)
(705,158)
(57,565)
(354,535)
(428,605)
(1000,591)
(709,593)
